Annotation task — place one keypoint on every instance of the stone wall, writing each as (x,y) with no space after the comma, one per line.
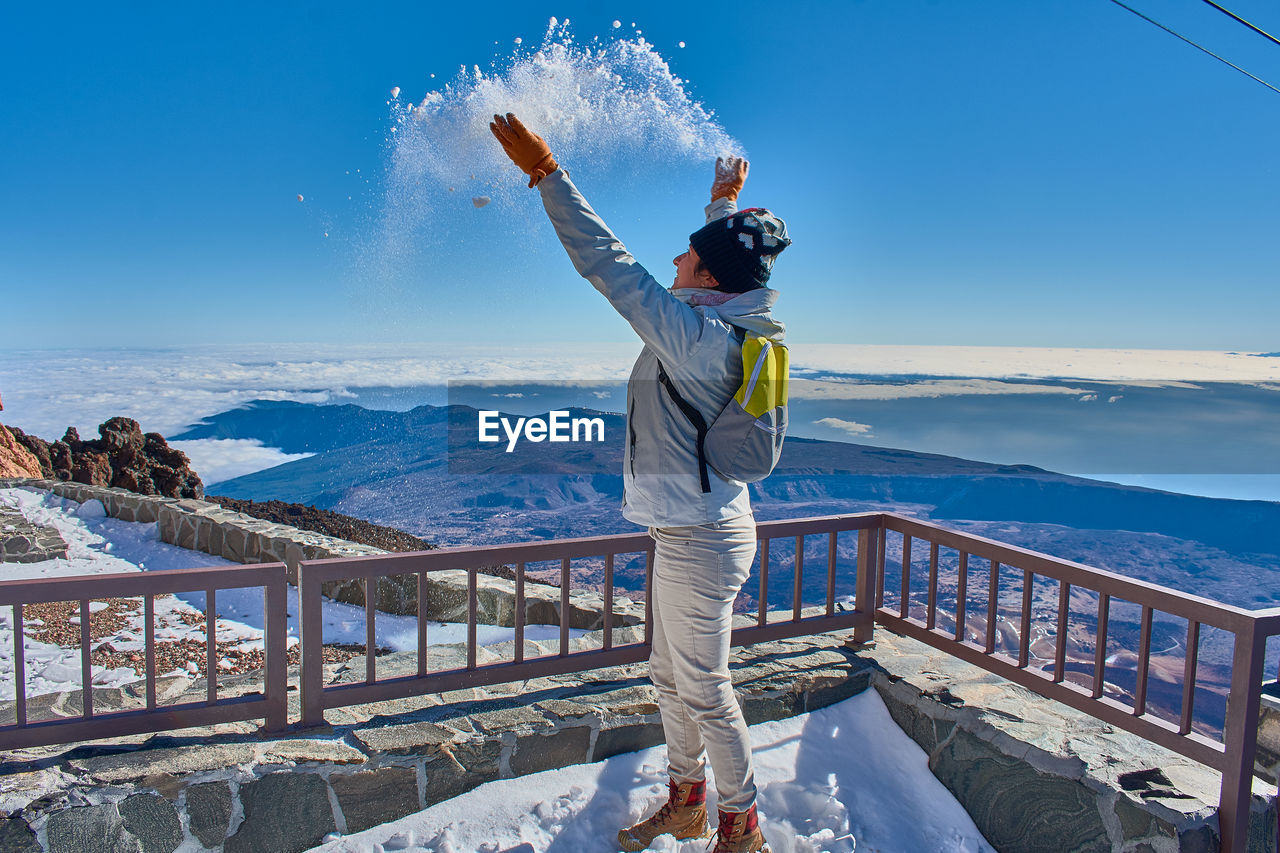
(1036,775)
(227,789)
(1033,774)
(1267,759)
(207,527)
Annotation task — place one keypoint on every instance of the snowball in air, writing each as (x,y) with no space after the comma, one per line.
(681,44)
(299,196)
(480,200)
(395,91)
(519,40)
(617,24)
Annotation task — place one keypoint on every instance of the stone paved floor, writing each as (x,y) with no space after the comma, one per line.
(24,542)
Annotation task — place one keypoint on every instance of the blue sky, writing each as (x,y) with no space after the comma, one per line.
(995,173)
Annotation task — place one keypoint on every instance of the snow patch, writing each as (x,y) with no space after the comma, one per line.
(91,509)
(835,780)
(100,545)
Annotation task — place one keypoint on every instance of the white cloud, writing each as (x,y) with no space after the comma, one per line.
(1037,362)
(218,459)
(832,388)
(1114,398)
(1088,398)
(166,390)
(851,427)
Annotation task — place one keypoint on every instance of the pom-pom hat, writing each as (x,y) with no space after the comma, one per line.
(739,250)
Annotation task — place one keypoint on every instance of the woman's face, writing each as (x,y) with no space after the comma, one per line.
(686,271)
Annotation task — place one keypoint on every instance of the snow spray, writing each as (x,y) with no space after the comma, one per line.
(610,107)
(612,110)
(611,102)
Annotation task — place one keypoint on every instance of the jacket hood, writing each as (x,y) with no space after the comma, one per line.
(750,310)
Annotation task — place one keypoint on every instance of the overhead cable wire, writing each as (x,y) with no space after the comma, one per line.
(1231,14)
(1196,46)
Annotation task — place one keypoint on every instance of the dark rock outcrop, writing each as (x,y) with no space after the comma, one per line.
(39,448)
(15,459)
(327,522)
(122,456)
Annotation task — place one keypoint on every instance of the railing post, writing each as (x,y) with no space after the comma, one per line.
(865,591)
(312,648)
(276,635)
(1240,739)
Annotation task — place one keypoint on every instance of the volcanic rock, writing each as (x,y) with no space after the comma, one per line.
(38,448)
(61,460)
(15,459)
(123,456)
(92,468)
(327,522)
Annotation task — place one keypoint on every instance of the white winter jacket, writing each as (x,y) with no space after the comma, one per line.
(697,346)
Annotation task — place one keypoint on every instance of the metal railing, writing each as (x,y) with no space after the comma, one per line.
(969,628)
(1232,754)
(269,705)
(317,697)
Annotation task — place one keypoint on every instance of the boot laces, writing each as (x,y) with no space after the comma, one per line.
(664,813)
(674,801)
(725,830)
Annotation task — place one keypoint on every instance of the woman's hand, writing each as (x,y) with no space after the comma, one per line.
(526,149)
(731,174)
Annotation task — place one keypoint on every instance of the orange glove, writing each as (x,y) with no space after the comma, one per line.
(526,149)
(731,174)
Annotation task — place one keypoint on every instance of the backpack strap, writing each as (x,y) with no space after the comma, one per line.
(694,417)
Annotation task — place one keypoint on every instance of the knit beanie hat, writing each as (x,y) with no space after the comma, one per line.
(739,249)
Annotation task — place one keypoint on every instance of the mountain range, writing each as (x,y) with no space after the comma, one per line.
(423,470)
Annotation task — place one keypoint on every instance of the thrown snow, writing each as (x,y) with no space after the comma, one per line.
(97,544)
(842,776)
(612,101)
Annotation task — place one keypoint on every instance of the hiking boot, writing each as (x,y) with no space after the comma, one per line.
(739,832)
(683,815)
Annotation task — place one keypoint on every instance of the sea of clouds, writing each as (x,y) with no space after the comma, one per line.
(166,390)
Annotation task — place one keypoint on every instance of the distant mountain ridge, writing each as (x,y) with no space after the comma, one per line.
(403,468)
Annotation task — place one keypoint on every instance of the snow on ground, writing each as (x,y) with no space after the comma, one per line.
(97,544)
(835,780)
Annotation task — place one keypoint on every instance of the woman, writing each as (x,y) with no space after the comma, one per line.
(702,526)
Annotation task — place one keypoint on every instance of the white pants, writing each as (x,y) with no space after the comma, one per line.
(697,574)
